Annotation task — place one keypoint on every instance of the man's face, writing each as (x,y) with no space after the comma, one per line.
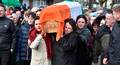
(2,11)
(116,15)
(109,19)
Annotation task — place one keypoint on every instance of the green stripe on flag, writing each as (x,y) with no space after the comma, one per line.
(14,3)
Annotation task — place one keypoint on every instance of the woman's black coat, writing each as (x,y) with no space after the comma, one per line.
(72,50)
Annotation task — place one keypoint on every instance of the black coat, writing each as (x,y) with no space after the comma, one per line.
(83,51)
(114,47)
(7,34)
(85,34)
(73,51)
(68,47)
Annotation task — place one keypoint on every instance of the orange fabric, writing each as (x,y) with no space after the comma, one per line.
(53,14)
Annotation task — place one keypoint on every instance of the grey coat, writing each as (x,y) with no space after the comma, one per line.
(114,47)
(101,43)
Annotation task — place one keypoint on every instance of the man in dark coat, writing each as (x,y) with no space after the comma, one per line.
(103,37)
(114,46)
(7,37)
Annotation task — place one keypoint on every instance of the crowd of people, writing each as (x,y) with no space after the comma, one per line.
(85,41)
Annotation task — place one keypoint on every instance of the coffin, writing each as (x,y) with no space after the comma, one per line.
(52,17)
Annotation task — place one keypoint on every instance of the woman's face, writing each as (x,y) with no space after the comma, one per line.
(30,20)
(26,17)
(15,20)
(37,25)
(68,28)
(81,23)
(95,28)
(38,13)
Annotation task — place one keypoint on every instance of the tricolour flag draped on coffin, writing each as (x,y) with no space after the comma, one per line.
(52,17)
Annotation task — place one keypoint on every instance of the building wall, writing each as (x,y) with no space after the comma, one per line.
(56,1)
(118,1)
(35,3)
(38,3)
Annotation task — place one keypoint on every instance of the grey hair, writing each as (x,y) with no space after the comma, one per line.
(116,8)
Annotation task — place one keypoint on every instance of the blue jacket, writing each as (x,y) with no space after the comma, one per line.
(22,48)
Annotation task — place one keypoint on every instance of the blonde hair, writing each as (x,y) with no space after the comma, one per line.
(27,13)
